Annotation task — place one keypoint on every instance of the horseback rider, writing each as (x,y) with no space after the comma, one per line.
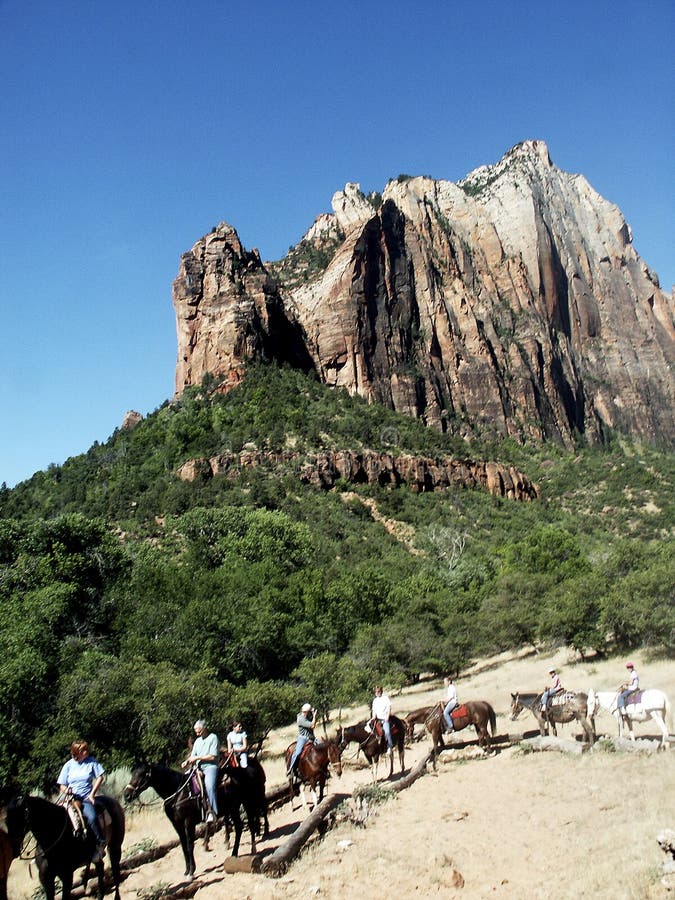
(237,745)
(305,725)
(82,776)
(554,688)
(204,754)
(381,711)
(450,702)
(628,687)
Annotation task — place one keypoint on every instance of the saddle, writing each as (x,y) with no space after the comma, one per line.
(561,699)
(73,806)
(305,750)
(197,789)
(633,699)
(459,712)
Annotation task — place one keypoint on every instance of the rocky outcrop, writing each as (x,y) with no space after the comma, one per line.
(323,470)
(512,303)
(131,420)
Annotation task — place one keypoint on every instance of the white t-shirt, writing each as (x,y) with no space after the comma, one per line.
(451,693)
(382,707)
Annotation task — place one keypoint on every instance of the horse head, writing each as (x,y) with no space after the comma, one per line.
(14,823)
(334,757)
(516,706)
(139,781)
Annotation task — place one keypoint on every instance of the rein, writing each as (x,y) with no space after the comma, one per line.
(45,850)
(164,800)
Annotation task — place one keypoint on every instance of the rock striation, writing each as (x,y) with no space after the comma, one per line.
(323,470)
(511,303)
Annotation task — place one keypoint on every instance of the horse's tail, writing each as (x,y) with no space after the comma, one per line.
(668,713)
(493,719)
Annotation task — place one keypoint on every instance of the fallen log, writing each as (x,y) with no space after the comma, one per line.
(235,864)
(625,745)
(276,865)
(559,745)
(278,795)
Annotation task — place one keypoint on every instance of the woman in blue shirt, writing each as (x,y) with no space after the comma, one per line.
(83,775)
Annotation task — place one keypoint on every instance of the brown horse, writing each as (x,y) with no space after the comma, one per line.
(416,717)
(373,744)
(478,713)
(312,767)
(563,708)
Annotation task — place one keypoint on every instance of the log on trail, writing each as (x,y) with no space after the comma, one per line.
(278,795)
(235,864)
(625,745)
(560,745)
(276,865)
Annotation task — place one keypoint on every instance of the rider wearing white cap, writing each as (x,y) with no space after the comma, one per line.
(305,725)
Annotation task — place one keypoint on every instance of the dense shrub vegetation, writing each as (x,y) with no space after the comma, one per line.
(131,601)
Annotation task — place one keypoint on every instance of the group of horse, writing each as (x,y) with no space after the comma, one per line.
(646,705)
(59,851)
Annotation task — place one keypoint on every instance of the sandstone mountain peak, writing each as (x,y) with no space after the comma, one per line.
(510,303)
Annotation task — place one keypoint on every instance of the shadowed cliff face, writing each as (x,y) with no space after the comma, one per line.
(512,303)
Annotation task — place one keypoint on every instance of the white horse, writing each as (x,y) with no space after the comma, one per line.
(654,704)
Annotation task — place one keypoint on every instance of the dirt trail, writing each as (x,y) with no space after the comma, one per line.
(514,825)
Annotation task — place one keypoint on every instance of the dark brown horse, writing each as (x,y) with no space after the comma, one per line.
(60,851)
(183,807)
(564,707)
(312,767)
(374,745)
(250,780)
(478,713)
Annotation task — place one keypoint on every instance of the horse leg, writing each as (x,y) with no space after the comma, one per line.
(115,854)
(99,877)
(187,840)
(253,825)
(659,718)
(238,828)
(66,886)
(47,882)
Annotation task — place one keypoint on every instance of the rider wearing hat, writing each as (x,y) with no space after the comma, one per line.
(554,688)
(305,725)
(628,687)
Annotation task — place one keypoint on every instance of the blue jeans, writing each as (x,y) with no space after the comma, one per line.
(298,750)
(387,733)
(545,698)
(89,814)
(623,696)
(210,779)
(449,706)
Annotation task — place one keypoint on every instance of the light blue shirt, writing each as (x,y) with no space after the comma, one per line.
(206,746)
(79,776)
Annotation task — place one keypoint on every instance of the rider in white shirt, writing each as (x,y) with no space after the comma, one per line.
(628,687)
(381,709)
(450,702)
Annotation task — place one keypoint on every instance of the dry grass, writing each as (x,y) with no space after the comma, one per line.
(514,825)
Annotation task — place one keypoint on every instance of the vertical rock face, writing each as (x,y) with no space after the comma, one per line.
(228,311)
(512,302)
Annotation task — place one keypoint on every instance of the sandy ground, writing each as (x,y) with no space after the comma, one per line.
(514,825)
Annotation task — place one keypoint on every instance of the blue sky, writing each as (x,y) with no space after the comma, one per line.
(129,129)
